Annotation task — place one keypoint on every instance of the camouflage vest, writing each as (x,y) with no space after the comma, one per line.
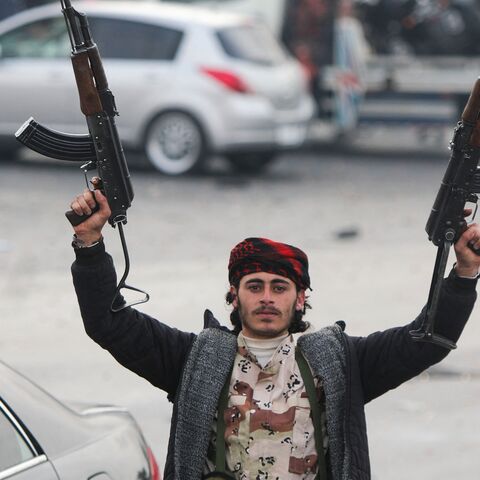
(206,371)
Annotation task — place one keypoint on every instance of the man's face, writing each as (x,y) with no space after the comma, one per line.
(266,304)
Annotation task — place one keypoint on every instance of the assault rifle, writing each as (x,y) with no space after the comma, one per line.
(100,149)
(446,223)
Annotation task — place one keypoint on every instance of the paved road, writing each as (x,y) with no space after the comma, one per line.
(360,218)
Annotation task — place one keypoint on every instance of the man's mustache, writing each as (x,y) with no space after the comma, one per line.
(267,310)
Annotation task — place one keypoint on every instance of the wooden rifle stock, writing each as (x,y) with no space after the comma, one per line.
(90,103)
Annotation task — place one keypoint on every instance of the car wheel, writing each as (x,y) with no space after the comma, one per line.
(175,143)
(251,162)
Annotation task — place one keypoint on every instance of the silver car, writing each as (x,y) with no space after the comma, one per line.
(189,82)
(43,439)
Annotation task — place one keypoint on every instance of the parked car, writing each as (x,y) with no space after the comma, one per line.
(188,81)
(43,439)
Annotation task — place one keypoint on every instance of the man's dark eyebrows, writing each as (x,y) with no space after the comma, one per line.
(259,280)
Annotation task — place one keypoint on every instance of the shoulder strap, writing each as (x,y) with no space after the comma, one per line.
(220,443)
(316,413)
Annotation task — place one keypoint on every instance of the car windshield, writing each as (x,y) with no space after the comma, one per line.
(254,43)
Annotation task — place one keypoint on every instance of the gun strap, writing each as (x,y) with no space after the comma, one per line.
(316,413)
(220,456)
(220,443)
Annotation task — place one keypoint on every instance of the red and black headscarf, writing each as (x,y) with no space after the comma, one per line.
(264,255)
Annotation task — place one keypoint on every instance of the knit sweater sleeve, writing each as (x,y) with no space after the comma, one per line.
(139,342)
(391,357)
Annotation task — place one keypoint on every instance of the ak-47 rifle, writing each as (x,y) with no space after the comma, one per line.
(101,148)
(446,223)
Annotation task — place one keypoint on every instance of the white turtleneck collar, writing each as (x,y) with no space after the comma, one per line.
(263,349)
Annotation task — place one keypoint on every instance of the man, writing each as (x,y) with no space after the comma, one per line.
(289,402)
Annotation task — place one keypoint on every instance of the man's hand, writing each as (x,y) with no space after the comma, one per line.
(90,231)
(468,262)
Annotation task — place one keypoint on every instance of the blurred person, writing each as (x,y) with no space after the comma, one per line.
(351,52)
(307,32)
(286,402)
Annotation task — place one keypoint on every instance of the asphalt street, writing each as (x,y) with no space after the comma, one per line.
(359,216)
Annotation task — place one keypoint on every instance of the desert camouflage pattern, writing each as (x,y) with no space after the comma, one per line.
(269,430)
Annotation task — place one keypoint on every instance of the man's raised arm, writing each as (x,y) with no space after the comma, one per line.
(144,345)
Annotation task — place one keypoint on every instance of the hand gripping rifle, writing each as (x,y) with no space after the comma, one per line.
(101,148)
(446,223)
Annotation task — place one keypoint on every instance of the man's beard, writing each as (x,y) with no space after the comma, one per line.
(242,317)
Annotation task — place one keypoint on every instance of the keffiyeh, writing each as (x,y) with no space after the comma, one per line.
(264,255)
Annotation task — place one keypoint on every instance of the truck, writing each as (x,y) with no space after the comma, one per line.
(378,62)
(424,59)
